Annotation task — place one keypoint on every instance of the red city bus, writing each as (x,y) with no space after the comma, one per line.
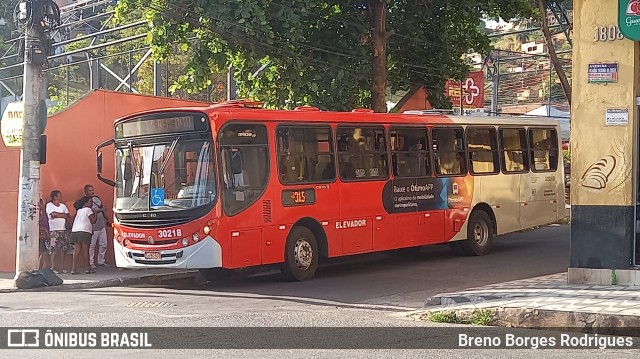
(233,185)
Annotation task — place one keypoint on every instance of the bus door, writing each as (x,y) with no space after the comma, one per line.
(515,166)
(450,163)
(540,186)
(244,157)
(363,171)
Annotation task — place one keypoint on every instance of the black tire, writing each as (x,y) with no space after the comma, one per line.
(301,255)
(479,235)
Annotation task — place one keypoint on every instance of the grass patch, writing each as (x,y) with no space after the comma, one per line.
(445,316)
(481,317)
(477,317)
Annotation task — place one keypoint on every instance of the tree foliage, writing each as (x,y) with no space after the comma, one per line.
(319,52)
(8,31)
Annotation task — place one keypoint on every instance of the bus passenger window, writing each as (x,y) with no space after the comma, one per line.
(362,153)
(482,144)
(515,157)
(544,150)
(305,154)
(410,155)
(449,151)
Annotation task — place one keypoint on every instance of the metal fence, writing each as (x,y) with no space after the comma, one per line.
(525,82)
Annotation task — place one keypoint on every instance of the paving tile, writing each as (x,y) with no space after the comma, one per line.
(630,311)
(559,307)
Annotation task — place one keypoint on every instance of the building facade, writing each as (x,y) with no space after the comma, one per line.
(604,147)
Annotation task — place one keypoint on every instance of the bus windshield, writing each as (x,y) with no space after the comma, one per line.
(164,176)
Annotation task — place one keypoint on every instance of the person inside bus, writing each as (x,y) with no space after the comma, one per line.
(398,159)
(329,171)
(347,169)
(358,143)
(418,160)
(311,164)
(381,160)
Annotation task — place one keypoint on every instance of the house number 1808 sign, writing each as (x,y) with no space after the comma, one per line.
(607,33)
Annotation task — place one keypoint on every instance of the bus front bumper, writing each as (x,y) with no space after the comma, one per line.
(207,253)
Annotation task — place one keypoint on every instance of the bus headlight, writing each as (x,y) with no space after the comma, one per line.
(185,242)
(196,237)
(206,229)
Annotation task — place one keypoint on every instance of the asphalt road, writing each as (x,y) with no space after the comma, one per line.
(366,291)
(381,279)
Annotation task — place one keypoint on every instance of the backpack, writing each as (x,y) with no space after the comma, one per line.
(49,277)
(29,280)
(37,278)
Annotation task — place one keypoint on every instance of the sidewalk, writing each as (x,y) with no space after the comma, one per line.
(104,277)
(544,302)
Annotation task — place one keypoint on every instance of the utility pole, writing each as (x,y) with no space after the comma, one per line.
(36,18)
(496,85)
(231,85)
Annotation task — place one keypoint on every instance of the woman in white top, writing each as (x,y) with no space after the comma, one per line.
(58,213)
(81,233)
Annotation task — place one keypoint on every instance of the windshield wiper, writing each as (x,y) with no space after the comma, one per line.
(166,160)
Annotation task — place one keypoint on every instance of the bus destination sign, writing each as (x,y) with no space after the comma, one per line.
(153,126)
(298,197)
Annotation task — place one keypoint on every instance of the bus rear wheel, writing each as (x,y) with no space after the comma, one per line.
(301,255)
(479,236)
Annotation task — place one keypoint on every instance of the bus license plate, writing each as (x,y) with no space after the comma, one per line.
(151,255)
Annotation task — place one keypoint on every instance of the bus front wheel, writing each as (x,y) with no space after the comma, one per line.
(479,236)
(301,255)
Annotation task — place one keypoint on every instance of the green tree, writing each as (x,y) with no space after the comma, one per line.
(332,54)
(8,31)
(557,64)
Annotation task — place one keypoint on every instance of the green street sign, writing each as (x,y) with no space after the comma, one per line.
(629,19)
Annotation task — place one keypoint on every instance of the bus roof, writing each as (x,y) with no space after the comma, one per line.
(312,114)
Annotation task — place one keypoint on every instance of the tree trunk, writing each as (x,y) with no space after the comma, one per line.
(379,43)
(552,51)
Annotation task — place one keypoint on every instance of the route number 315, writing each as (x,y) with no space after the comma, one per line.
(607,33)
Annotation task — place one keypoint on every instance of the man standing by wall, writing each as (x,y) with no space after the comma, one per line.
(99,231)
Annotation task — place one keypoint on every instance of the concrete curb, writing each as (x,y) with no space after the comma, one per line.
(446,300)
(111,282)
(595,323)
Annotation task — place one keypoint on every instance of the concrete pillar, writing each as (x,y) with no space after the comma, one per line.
(603,147)
(94,79)
(157,78)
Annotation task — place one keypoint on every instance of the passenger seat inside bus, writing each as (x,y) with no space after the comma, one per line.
(482,161)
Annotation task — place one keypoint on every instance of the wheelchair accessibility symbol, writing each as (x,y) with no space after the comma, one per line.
(157,197)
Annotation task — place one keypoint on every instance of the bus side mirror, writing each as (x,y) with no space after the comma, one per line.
(99,162)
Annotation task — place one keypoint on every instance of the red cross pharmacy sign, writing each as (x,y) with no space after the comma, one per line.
(470,91)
